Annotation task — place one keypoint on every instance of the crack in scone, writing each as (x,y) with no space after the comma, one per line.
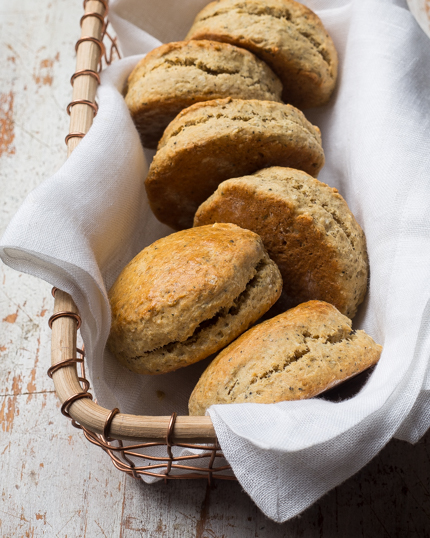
(336,338)
(201,66)
(245,118)
(317,46)
(298,354)
(341,223)
(329,210)
(234,309)
(279,14)
(257,10)
(198,64)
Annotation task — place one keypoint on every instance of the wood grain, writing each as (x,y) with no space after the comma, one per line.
(85,86)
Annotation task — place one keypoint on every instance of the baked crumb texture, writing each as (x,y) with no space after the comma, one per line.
(210,142)
(294,356)
(177,75)
(188,295)
(306,227)
(288,36)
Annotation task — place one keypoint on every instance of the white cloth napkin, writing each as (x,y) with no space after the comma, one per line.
(81,226)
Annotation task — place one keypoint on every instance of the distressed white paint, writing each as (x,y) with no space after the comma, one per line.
(420,9)
(54,483)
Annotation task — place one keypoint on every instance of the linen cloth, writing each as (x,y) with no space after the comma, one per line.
(81,226)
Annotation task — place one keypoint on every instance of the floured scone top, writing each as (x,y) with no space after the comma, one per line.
(293,356)
(210,142)
(188,295)
(307,229)
(288,36)
(174,76)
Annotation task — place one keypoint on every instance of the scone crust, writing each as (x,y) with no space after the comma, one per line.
(307,229)
(210,142)
(177,75)
(188,295)
(287,35)
(293,356)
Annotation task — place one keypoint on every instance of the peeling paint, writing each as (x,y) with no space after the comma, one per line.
(41,516)
(44,74)
(16,385)
(2,415)
(11,318)
(7,416)
(129,524)
(7,134)
(31,385)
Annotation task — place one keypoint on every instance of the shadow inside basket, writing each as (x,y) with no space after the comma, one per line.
(348,389)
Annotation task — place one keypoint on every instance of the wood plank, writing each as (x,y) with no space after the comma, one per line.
(52,480)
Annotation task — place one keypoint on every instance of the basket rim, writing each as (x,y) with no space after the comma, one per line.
(76,401)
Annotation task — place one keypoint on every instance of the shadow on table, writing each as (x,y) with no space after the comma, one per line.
(388,498)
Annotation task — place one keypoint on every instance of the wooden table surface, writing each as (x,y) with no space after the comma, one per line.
(53,482)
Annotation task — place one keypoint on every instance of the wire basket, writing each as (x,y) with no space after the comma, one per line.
(105,428)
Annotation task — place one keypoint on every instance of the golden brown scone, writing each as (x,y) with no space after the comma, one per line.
(288,36)
(210,142)
(307,229)
(188,295)
(177,75)
(293,356)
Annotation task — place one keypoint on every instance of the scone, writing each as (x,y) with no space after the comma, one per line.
(210,142)
(293,356)
(307,229)
(188,295)
(288,36)
(177,75)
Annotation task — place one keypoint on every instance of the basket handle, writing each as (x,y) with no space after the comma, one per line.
(64,327)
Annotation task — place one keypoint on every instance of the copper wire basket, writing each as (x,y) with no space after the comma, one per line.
(106,428)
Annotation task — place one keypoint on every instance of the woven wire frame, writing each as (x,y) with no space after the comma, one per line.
(161,466)
(126,457)
(109,51)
